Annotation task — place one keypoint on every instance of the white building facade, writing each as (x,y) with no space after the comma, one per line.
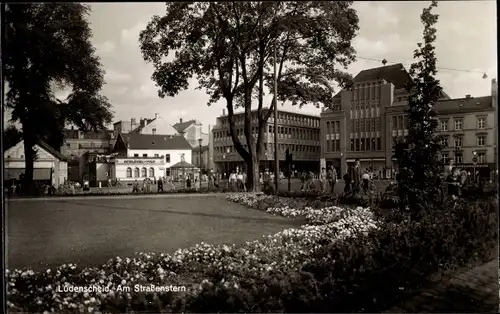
(141,156)
(49,166)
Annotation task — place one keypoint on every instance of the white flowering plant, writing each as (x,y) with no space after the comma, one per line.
(203,266)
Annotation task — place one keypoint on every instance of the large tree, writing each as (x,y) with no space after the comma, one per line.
(228,47)
(47,45)
(419,182)
(11,136)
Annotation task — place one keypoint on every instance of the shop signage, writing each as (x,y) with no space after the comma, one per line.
(139,161)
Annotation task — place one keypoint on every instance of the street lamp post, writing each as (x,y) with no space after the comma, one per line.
(199,141)
(474,160)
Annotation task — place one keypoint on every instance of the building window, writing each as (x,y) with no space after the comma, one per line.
(379,143)
(444,125)
(481,157)
(129,172)
(481,140)
(481,123)
(136,172)
(156,155)
(167,158)
(154,131)
(136,155)
(352,145)
(458,142)
(445,158)
(458,124)
(144,173)
(144,155)
(444,142)
(458,158)
(151,172)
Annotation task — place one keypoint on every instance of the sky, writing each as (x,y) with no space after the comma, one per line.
(466,40)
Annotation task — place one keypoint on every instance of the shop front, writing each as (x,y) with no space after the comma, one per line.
(129,169)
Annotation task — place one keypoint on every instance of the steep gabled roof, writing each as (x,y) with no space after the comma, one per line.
(46,147)
(52,150)
(149,141)
(182,126)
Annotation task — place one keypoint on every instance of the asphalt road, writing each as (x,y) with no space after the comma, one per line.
(45,233)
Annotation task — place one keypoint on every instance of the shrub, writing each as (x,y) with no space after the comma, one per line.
(399,255)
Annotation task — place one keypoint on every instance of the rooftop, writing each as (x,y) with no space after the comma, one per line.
(182,126)
(279,111)
(464,104)
(394,73)
(160,142)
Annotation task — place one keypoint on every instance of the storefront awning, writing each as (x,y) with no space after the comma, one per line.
(38,173)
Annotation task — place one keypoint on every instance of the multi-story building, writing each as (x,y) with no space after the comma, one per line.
(298,133)
(366,120)
(77,143)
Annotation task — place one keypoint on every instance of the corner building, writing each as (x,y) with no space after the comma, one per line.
(364,122)
(298,133)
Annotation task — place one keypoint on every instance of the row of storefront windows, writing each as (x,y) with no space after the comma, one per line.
(142,172)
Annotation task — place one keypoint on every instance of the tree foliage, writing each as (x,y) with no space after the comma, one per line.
(228,48)
(49,44)
(418,156)
(11,136)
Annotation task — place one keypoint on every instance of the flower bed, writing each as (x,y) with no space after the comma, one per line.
(201,267)
(342,261)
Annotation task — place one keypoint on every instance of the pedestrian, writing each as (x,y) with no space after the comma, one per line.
(356,177)
(239,181)
(323,179)
(210,180)
(347,182)
(244,181)
(303,177)
(188,182)
(332,178)
(160,185)
(232,180)
(366,181)
(135,187)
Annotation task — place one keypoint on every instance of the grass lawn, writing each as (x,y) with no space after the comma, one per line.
(46,233)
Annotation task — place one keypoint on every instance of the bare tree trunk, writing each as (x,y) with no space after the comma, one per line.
(253,174)
(29,154)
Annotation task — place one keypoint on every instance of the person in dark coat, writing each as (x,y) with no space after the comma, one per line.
(347,181)
(160,185)
(356,176)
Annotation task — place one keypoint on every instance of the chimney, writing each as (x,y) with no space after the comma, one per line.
(132,123)
(156,116)
(143,122)
(467,96)
(180,120)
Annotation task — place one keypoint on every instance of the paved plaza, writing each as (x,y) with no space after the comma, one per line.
(89,231)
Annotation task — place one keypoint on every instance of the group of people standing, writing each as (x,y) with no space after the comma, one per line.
(238,180)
